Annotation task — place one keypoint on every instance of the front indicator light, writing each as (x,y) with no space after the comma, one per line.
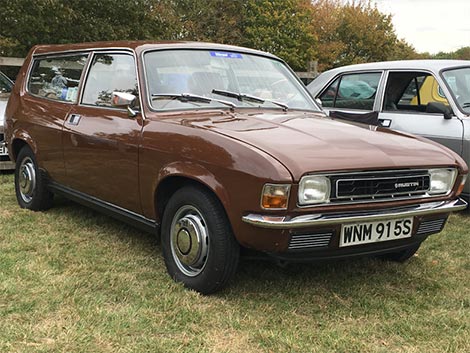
(442,181)
(275,196)
(462,185)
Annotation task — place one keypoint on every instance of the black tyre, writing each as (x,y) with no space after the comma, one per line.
(31,183)
(401,256)
(197,241)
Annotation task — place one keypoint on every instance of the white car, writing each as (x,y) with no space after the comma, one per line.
(430,98)
(6,86)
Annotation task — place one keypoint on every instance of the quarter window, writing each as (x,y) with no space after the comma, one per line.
(109,73)
(57,78)
(353,91)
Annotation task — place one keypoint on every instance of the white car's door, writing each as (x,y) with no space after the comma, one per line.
(409,104)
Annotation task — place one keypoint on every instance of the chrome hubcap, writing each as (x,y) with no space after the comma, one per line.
(189,240)
(27,179)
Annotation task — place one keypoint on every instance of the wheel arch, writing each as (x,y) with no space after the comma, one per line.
(18,141)
(177,175)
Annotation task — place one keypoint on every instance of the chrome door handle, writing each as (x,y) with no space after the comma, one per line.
(74,119)
(385,122)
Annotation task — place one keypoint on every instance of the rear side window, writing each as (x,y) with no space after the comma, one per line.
(352,91)
(57,78)
(109,73)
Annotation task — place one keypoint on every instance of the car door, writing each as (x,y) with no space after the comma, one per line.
(101,141)
(408,105)
(353,96)
(47,104)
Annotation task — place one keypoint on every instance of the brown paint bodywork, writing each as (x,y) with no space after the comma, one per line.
(123,160)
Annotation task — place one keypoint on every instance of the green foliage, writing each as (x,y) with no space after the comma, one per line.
(355,32)
(33,22)
(459,54)
(281,27)
(210,20)
(333,32)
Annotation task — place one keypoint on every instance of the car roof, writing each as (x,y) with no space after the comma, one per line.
(139,46)
(434,65)
(429,65)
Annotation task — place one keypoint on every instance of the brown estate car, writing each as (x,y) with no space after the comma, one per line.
(220,148)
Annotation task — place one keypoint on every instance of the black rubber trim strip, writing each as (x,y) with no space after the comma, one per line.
(107,208)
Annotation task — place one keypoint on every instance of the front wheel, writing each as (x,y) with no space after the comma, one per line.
(30,183)
(197,241)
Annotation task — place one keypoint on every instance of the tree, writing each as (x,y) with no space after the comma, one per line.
(355,32)
(281,27)
(460,54)
(210,20)
(33,22)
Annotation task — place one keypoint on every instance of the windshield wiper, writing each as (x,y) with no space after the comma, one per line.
(466,105)
(248,98)
(189,97)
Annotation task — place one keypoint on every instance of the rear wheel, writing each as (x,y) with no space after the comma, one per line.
(30,183)
(197,241)
(401,256)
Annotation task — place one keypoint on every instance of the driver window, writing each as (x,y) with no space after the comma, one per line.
(109,73)
(353,91)
(412,91)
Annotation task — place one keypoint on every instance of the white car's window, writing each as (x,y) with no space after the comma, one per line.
(412,91)
(5,84)
(458,81)
(109,73)
(352,91)
(57,77)
(240,79)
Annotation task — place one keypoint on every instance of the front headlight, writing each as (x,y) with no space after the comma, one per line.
(442,181)
(314,189)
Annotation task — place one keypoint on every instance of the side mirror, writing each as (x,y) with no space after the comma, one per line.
(440,108)
(124,100)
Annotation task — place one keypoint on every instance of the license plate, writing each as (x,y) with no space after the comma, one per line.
(373,232)
(3,151)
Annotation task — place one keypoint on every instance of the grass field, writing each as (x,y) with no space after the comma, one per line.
(72,280)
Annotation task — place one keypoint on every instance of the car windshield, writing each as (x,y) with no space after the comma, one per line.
(458,81)
(175,77)
(5,84)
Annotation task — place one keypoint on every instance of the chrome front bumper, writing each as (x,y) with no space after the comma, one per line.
(313,220)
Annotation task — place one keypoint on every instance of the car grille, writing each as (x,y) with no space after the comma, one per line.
(309,241)
(379,186)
